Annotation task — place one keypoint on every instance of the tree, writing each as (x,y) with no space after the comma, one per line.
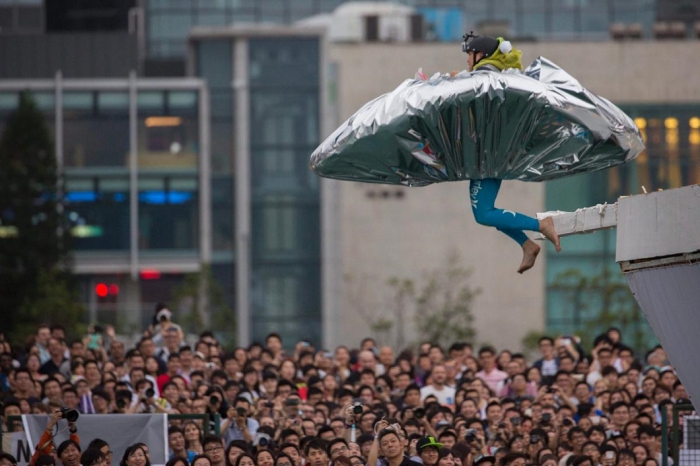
(33,246)
(200,302)
(55,300)
(362,300)
(440,301)
(443,305)
(601,301)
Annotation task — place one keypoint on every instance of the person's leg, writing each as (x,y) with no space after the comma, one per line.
(483,195)
(483,198)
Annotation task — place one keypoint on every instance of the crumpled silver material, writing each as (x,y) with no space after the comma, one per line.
(535,125)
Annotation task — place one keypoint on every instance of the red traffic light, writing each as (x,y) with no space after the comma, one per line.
(101,290)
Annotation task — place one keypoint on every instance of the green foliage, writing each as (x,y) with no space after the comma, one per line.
(530,341)
(33,245)
(359,293)
(602,301)
(55,300)
(440,302)
(443,305)
(199,298)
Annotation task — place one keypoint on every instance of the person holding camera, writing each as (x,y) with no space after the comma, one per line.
(161,324)
(147,401)
(390,444)
(237,425)
(46,446)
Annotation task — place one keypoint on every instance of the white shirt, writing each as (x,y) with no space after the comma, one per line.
(549,367)
(446,396)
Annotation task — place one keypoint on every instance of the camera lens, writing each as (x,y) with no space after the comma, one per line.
(419,413)
(70,415)
(269,404)
(263,442)
(357,409)
(241,411)
(121,404)
(214,399)
(150,393)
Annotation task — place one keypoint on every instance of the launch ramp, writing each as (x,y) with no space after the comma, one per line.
(658,249)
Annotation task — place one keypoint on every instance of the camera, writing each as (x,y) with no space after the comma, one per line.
(515,420)
(501,425)
(546,418)
(534,438)
(379,389)
(241,412)
(471,435)
(357,408)
(121,403)
(262,440)
(215,400)
(291,402)
(567,422)
(70,415)
(419,413)
(150,393)
(269,405)
(182,399)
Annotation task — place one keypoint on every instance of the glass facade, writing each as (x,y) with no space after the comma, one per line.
(170,21)
(671,160)
(284,130)
(283,120)
(96,151)
(96,129)
(98,208)
(215,62)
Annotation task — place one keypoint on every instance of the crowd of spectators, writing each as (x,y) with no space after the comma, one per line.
(371,405)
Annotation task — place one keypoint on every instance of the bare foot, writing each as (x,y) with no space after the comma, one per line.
(530,251)
(547,229)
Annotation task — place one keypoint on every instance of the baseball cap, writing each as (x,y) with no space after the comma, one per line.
(164,314)
(427,442)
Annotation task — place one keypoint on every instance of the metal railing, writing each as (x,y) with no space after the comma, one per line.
(674,440)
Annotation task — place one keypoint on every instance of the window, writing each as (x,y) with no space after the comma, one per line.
(98,211)
(96,129)
(168,212)
(168,135)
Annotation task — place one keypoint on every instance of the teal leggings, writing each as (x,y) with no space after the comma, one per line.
(483,198)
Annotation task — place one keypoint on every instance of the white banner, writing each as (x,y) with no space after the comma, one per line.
(16,444)
(118,430)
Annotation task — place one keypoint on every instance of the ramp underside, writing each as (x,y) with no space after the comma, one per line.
(670,298)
